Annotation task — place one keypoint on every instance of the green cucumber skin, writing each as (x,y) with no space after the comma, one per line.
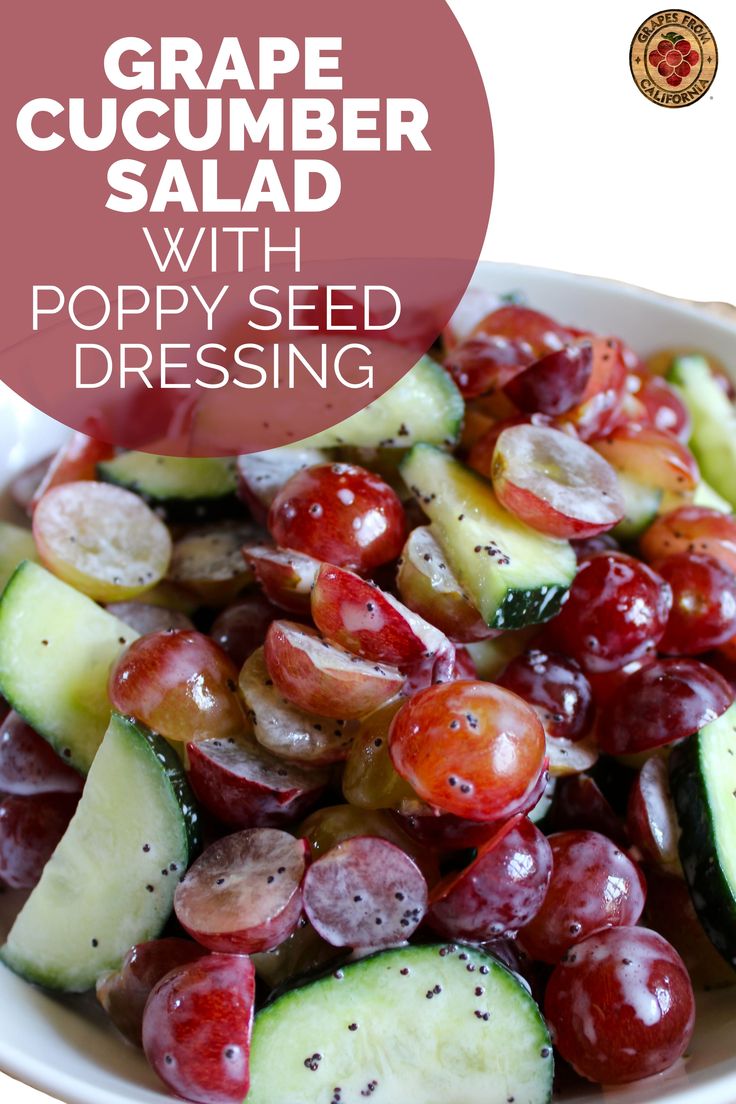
(712,895)
(77,974)
(175,507)
(176,775)
(311,1003)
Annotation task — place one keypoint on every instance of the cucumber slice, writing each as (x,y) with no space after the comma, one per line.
(111,881)
(56,650)
(514,575)
(404,1025)
(703,783)
(713,440)
(184,488)
(642,507)
(423,406)
(706,496)
(16,545)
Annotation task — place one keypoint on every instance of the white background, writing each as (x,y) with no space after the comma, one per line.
(590,176)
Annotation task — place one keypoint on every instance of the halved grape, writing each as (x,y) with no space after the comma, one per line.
(287,577)
(662,703)
(101,539)
(145,618)
(692,529)
(285,730)
(123,993)
(327,827)
(28,763)
(321,677)
(244,893)
(500,891)
(30,829)
(555,483)
(76,460)
(651,819)
(428,586)
(365,892)
(197,1028)
(370,780)
(371,623)
(652,456)
(209,562)
(554,384)
(557,687)
(245,786)
(261,475)
(242,627)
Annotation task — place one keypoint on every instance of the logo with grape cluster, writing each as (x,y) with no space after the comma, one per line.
(674,58)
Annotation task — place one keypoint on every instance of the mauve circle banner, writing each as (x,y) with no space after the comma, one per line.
(228,226)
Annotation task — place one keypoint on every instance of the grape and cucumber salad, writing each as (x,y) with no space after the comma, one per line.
(398,764)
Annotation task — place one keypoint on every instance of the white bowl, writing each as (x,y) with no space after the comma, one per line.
(66,1048)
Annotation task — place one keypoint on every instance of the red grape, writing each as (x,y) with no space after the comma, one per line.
(558,689)
(241,628)
(321,677)
(147,619)
(517,323)
(662,703)
(445,831)
(448,832)
(287,577)
(371,623)
(30,829)
(285,730)
(483,364)
(244,786)
(703,613)
(664,407)
(365,892)
(620,1006)
(594,885)
(179,684)
(244,893)
(197,1027)
(579,803)
(651,819)
(555,383)
(339,513)
(670,911)
(480,456)
(652,456)
(692,529)
(261,475)
(616,612)
(500,891)
(606,685)
(123,993)
(28,763)
(470,748)
(327,827)
(555,483)
(76,460)
(599,408)
(428,587)
(590,546)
